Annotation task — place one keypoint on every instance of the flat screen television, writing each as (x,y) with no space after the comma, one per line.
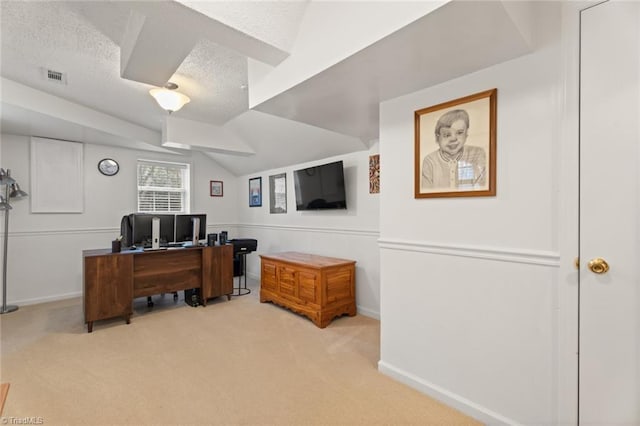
(184,227)
(320,187)
(141,229)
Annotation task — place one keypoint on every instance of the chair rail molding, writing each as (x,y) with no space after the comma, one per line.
(83,231)
(502,254)
(349,231)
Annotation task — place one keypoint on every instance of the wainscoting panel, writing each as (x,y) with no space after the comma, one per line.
(46,265)
(355,244)
(463,323)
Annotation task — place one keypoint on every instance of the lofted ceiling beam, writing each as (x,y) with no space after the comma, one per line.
(196,135)
(31,112)
(153,46)
(151,51)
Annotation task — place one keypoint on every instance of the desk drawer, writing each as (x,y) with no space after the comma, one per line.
(166,271)
(168,261)
(167,283)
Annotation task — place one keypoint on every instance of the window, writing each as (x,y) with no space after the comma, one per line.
(163,187)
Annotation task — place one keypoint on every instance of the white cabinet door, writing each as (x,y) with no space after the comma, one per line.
(609,210)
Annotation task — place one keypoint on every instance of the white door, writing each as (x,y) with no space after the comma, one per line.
(609,370)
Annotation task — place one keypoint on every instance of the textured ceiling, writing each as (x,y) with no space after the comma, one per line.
(81,40)
(211,43)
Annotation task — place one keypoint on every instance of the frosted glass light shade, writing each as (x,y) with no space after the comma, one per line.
(169,99)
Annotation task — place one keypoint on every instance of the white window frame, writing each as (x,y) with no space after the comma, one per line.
(185,190)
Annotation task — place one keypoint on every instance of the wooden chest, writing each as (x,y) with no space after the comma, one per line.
(318,287)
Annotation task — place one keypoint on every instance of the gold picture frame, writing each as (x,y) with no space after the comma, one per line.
(455,147)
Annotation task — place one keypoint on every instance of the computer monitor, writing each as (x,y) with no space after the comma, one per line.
(142,229)
(184,227)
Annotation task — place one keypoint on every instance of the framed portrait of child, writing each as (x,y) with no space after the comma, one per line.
(455,147)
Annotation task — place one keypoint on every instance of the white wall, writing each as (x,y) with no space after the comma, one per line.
(470,287)
(45,250)
(350,234)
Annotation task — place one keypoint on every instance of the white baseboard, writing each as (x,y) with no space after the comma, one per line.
(37,300)
(253,276)
(451,399)
(368,312)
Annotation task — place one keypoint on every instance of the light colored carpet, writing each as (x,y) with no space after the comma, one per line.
(235,362)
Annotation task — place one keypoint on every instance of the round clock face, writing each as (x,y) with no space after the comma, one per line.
(108,167)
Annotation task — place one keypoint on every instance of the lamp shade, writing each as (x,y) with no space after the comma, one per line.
(169,99)
(16,192)
(5,177)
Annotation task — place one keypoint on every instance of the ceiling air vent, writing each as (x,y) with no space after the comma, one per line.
(55,76)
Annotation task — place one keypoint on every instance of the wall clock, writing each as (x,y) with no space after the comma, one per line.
(108,167)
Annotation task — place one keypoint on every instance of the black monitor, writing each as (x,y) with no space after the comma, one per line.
(184,227)
(142,227)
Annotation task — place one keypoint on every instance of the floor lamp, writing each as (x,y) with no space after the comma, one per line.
(11,190)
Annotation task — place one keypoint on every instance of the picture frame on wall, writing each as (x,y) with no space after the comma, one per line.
(455,147)
(278,193)
(374,174)
(216,188)
(255,192)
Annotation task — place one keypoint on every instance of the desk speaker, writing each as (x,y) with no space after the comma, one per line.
(211,239)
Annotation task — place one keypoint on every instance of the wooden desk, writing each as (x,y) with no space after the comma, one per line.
(318,287)
(113,280)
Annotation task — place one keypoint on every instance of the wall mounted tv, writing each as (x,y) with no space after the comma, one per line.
(320,187)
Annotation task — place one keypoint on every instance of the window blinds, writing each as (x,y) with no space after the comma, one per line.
(163,187)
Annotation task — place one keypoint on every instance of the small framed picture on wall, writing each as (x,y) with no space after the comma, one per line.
(255,192)
(215,188)
(278,193)
(374,174)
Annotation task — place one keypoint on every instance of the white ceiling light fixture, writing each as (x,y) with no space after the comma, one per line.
(168,98)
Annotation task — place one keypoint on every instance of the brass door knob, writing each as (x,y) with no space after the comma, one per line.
(598,266)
